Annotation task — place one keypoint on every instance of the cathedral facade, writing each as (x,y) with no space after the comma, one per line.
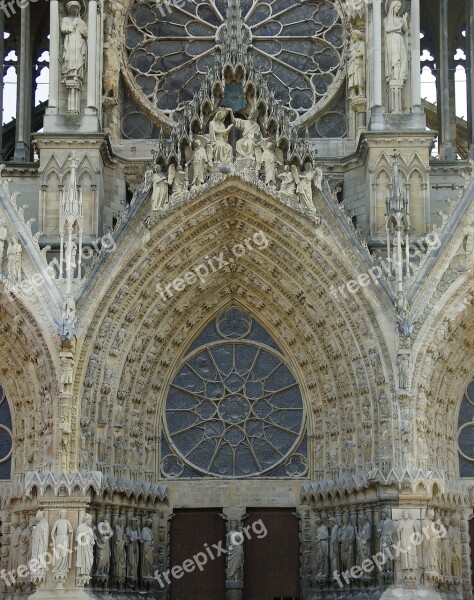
(236,299)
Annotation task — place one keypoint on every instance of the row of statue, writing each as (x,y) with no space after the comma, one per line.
(212,151)
(132,549)
(13,254)
(339,547)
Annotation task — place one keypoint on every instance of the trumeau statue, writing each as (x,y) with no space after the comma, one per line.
(61,535)
(39,548)
(74,31)
(235,553)
(85,549)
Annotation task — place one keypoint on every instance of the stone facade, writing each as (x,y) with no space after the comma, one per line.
(242,283)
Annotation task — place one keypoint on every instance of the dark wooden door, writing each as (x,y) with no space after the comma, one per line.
(272,563)
(190,531)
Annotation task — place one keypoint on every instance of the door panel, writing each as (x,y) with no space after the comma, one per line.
(190,530)
(272,563)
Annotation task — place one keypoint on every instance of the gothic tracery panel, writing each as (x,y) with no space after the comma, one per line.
(6,437)
(234,408)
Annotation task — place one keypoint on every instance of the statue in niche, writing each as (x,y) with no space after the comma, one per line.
(74,31)
(3,240)
(61,535)
(147,553)
(322,549)
(403,362)
(287,185)
(346,537)
(119,554)
(177,179)
(251,134)
(24,542)
(199,161)
(334,554)
(235,553)
(270,163)
(103,533)
(456,548)
(15,530)
(14,252)
(445,548)
(430,544)
(386,531)
(219,135)
(67,372)
(406,529)
(356,69)
(364,535)
(159,197)
(304,183)
(396,56)
(85,549)
(39,549)
(133,551)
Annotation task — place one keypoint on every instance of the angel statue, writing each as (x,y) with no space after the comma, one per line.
(159,195)
(287,185)
(219,135)
(177,179)
(270,158)
(199,160)
(304,183)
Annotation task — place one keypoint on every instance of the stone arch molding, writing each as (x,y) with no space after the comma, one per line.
(137,336)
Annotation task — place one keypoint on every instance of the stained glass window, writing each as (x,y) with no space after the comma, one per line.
(466,433)
(6,438)
(234,408)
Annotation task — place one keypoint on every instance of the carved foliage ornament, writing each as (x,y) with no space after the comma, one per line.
(300,45)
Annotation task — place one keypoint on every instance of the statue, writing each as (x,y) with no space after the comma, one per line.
(396,57)
(270,163)
(3,239)
(356,69)
(74,31)
(39,549)
(199,161)
(334,554)
(103,533)
(133,537)
(386,531)
(346,537)
(430,544)
(85,549)
(14,252)
(403,362)
(456,548)
(445,548)
(251,134)
(61,535)
(177,179)
(406,528)
(24,543)
(159,197)
(322,546)
(147,554)
(364,536)
(304,183)
(15,531)
(235,553)
(119,554)
(67,373)
(287,185)
(219,134)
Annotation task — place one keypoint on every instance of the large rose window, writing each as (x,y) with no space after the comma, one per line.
(234,409)
(299,45)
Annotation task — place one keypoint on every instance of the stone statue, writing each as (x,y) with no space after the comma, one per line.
(74,31)
(235,553)
(445,548)
(364,536)
(322,549)
(103,533)
(406,528)
(304,184)
(67,373)
(3,239)
(403,362)
(39,548)
(219,134)
(14,252)
(61,535)
(456,548)
(85,549)
(346,537)
(334,554)
(430,544)
(251,134)
(133,538)
(147,554)
(386,531)
(199,162)
(287,186)
(177,179)
(270,163)
(15,531)
(119,554)
(396,57)
(159,197)
(24,543)
(356,69)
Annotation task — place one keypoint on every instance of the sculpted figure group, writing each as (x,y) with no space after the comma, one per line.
(212,153)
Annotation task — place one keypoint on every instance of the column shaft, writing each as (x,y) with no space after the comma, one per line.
(2,55)
(416,51)
(22,147)
(54,41)
(377,56)
(446,145)
(469,73)
(92,57)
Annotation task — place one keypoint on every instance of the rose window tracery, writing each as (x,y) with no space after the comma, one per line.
(299,46)
(234,409)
